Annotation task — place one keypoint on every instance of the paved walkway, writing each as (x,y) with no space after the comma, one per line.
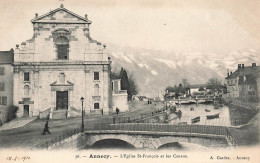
(16,123)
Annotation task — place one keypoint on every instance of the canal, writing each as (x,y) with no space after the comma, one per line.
(227,116)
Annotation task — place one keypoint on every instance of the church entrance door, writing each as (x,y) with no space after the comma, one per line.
(26,111)
(62,100)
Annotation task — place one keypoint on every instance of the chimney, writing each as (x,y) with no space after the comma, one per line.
(239,66)
(253,64)
(243,66)
(227,73)
(86,16)
(36,15)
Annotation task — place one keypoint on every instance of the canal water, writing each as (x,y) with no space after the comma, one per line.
(227,116)
(199,111)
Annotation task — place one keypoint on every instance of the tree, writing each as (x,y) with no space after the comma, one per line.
(133,87)
(214,83)
(170,89)
(201,88)
(125,83)
(185,83)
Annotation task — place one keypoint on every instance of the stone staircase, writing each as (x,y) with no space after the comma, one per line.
(59,114)
(74,112)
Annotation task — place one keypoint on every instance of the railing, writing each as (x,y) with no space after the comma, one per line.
(75,110)
(57,139)
(45,113)
(231,138)
(136,118)
(245,104)
(147,128)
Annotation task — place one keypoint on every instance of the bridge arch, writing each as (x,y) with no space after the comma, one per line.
(95,140)
(182,140)
(112,143)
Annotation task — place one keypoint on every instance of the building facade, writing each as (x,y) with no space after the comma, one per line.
(119,97)
(60,64)
(6,83)
(244,83)
(232,84)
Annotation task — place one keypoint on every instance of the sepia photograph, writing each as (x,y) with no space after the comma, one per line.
(114,81)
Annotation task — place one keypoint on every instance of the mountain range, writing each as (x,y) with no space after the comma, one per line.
(154,70)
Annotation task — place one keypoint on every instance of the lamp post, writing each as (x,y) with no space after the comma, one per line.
(166,99)
(82,123)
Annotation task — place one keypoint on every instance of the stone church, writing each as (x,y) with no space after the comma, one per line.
(60,64)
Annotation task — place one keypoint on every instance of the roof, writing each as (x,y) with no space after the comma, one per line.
(7,56)
(48,17)
(244,71)
(198,86)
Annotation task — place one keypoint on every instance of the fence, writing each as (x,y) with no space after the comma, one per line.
(136,118)
(160,129)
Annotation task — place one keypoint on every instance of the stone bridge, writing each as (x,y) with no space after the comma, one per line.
(149,136)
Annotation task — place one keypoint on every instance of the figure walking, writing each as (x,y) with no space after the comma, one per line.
(46,128)
(117,111)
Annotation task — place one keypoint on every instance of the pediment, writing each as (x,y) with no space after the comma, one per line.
(57,83)
(61,15)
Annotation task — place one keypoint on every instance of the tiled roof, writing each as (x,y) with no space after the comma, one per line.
(244,71)
(7,56)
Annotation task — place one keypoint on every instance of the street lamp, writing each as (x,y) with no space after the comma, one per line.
(82,123)
(166,99)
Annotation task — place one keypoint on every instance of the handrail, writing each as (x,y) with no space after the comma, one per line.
(129,119)
(147,128)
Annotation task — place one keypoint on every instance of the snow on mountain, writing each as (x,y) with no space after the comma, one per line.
(154,70)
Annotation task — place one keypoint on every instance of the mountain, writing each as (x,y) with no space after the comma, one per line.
(154,70)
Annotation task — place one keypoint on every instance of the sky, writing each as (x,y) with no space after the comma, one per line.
(182,26)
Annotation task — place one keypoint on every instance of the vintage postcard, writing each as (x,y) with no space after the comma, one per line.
(125,81)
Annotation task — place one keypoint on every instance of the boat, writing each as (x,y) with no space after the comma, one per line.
(213,116)
(195,120)
(207,110)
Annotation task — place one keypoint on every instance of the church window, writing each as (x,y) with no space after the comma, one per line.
(26,76)
(62,44)
(96,105)
(96,75)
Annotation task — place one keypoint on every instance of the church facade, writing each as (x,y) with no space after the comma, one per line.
(60,64)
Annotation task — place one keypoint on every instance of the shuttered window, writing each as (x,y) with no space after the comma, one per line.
(3,100)
(2,86)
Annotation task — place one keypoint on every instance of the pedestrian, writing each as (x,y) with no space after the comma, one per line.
(117,111)
(46,128)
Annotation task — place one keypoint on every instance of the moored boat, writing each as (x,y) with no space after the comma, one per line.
(195,120)
(213,116)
